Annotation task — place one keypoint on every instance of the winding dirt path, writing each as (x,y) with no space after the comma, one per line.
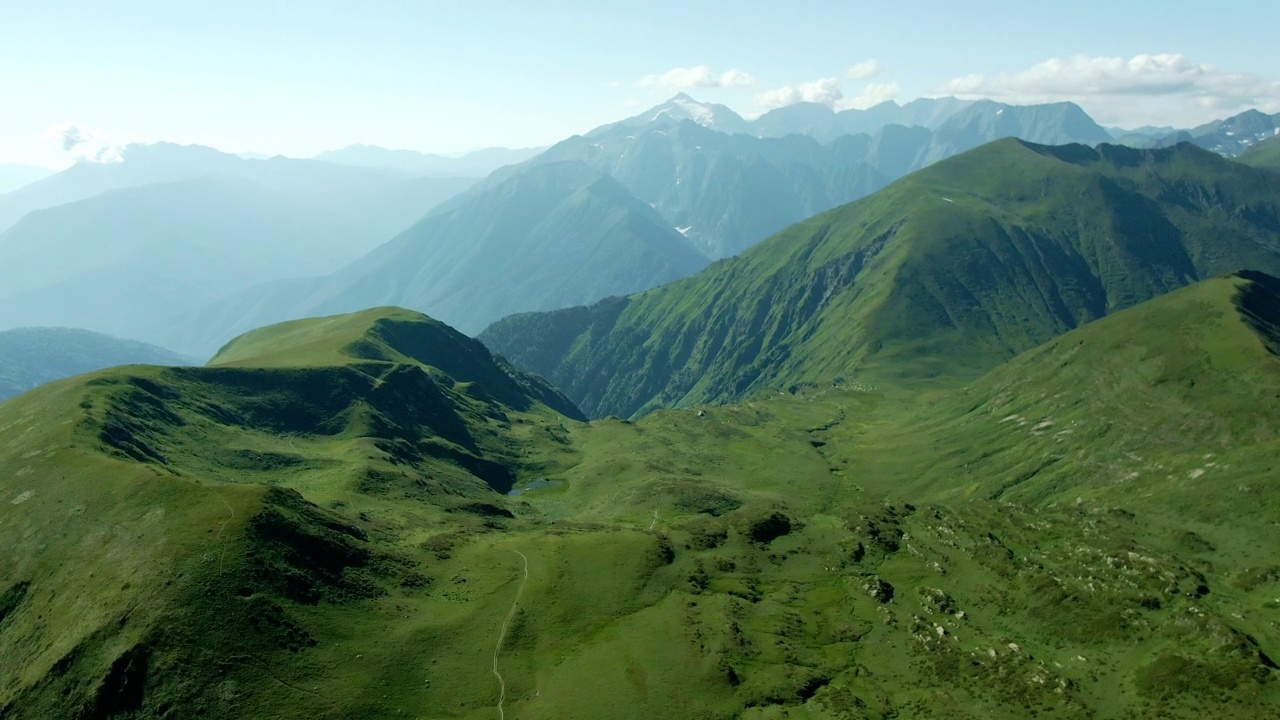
(231,515)
(502,634)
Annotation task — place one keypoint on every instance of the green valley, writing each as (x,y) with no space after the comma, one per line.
(314,526)
(658,361)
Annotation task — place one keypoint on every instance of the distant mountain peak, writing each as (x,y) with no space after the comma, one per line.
(698,112)
(1230,136)
(683,107)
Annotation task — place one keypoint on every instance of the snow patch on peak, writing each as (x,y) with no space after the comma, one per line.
(695,110)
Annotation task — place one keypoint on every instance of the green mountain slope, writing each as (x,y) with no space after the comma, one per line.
(1086,531)
(1149,408)
(308,529)
(1265,154)
(946,273)
(390,335)
(35,356)
(147,512)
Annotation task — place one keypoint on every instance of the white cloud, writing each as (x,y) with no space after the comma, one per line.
(696,77)
(866,70)
(83,144)
(734,77)
(872,94)
(1145,89)
(825,91)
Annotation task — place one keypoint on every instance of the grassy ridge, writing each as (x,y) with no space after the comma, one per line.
(944,275)
(172,495)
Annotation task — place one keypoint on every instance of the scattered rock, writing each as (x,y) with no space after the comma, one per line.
(879,589)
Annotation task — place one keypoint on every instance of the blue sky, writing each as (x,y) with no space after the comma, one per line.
(300,77)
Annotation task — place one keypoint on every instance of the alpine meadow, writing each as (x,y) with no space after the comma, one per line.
(682,361)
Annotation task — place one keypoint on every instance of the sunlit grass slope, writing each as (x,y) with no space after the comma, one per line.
(159,558)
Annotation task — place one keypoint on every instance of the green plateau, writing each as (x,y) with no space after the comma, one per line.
(321,524)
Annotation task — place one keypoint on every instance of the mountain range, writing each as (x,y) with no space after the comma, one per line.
(30,357)
(995,440)
(315,224)
(815,120)
(722,176)
(555,235)
(946,273)
(382,202)
(112,247)
(1231,136)
(722,193)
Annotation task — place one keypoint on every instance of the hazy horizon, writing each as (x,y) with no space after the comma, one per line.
(290,79)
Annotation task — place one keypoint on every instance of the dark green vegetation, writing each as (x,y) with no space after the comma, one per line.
(35,356)
(942,276)
(307,528)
